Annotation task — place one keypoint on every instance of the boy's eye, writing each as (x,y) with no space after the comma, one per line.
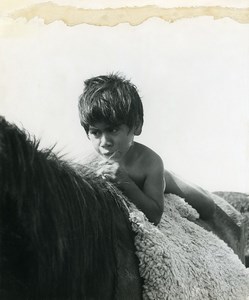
(94,132)
(114,130)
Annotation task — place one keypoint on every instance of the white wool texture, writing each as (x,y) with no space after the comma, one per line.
(178,259)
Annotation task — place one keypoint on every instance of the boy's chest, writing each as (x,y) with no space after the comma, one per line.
(136,174)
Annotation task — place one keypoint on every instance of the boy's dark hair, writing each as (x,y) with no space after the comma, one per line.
(111,99)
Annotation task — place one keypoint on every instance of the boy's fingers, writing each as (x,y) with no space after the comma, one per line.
(107,170)
(107,176)
(99,172)
(111,167)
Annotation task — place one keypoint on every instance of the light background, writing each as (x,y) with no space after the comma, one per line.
(192,75)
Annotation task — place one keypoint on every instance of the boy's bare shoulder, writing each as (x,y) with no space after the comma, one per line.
(147,157)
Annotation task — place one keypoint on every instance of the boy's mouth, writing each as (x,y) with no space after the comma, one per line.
(110,155)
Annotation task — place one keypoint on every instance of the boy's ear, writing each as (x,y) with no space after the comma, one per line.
(138,129)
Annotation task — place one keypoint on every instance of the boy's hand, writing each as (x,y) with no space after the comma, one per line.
(107,170)
(113,171)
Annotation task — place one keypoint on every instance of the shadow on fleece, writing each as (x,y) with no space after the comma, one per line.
(178,259)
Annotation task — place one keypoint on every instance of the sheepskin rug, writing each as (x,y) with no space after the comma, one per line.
(181,260)
(240,201)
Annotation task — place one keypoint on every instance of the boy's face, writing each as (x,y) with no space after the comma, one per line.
(111,142)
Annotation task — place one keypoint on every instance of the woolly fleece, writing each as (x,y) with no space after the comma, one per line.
(180,260)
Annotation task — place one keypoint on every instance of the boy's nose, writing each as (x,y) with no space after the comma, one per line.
(105,141)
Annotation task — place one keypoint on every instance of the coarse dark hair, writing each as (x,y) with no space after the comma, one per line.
(64,233)
(111,99)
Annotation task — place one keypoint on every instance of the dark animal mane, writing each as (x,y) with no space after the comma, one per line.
(57,227)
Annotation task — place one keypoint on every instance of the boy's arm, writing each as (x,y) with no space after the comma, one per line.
(150,199)
(198,198)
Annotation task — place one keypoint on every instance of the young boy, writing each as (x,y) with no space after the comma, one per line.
(111,113)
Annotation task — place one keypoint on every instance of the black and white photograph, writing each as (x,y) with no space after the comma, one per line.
(124,150)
